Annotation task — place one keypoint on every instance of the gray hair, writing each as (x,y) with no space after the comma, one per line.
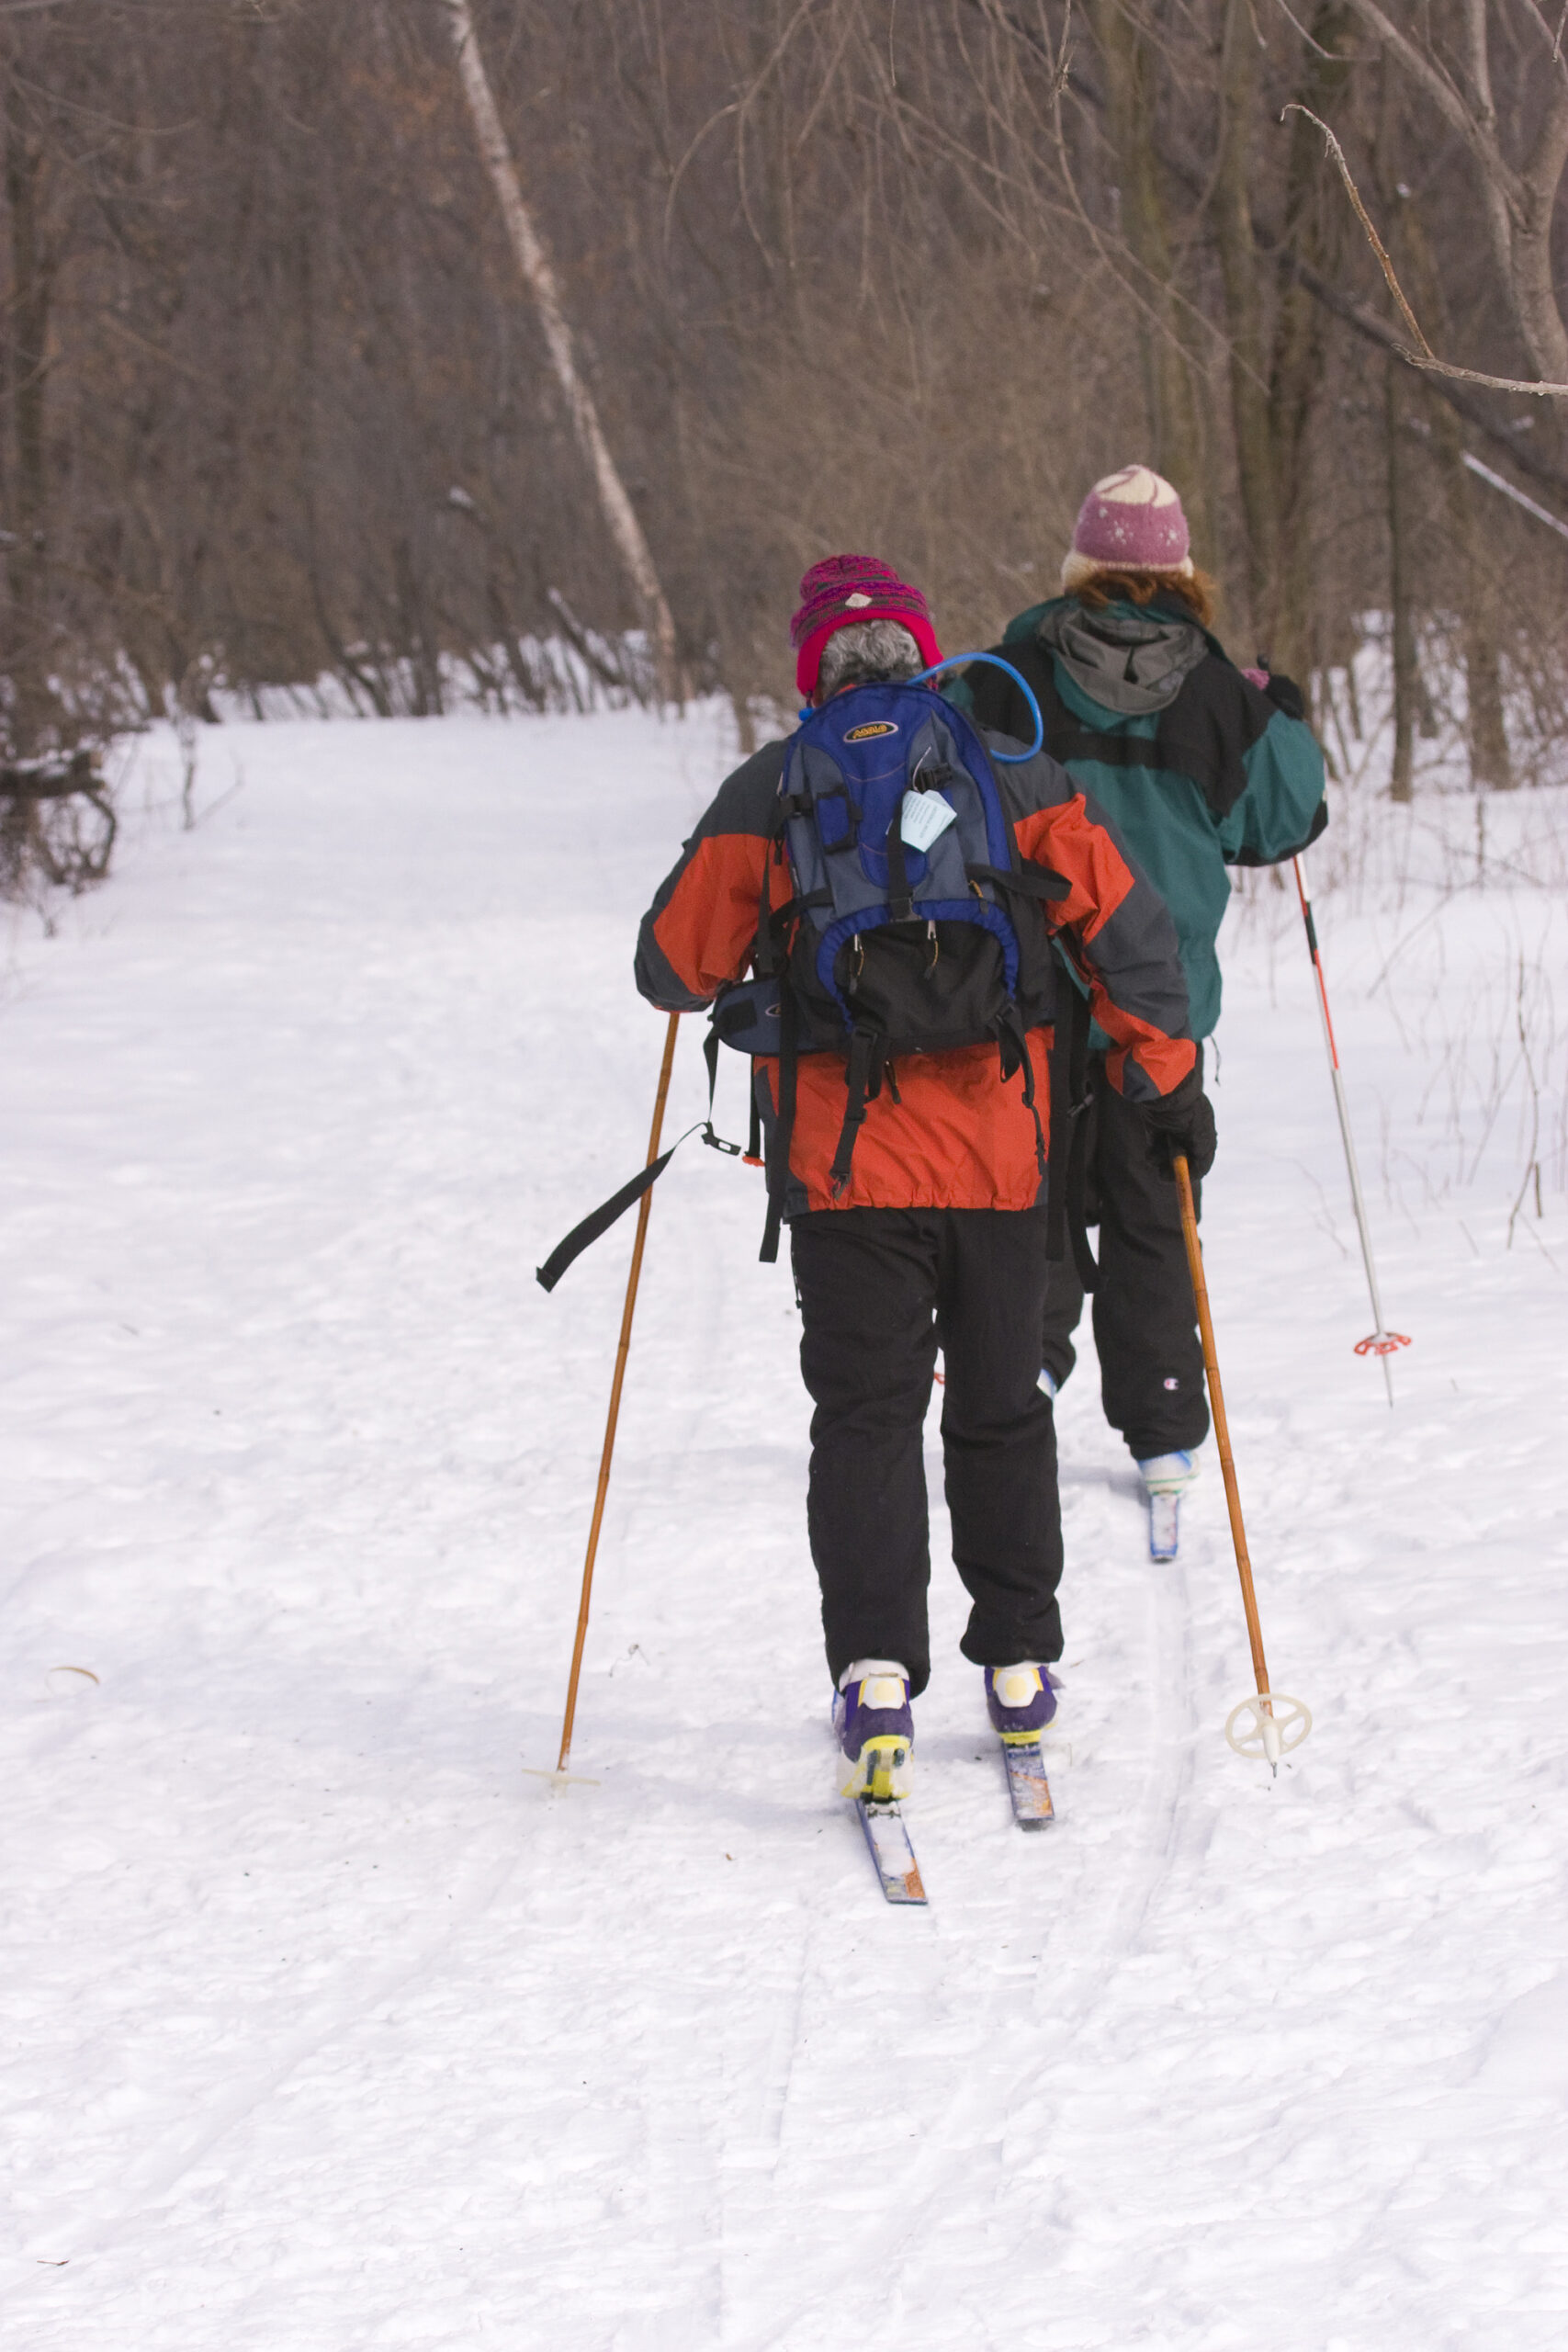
(867,650)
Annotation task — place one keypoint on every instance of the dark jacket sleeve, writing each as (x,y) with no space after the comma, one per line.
(700,928)
(1281,809)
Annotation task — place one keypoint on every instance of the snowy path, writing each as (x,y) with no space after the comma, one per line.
(327,2028)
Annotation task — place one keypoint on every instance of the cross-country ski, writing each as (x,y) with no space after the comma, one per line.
(1027,1787)
(892,1855)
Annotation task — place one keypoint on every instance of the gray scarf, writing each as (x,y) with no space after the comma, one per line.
(1129,666)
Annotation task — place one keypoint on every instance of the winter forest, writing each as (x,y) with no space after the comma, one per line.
(415,419)
(277,409)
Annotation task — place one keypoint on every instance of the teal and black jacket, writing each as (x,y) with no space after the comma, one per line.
(1227,773)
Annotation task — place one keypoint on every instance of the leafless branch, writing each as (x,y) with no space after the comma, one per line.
(1422,355)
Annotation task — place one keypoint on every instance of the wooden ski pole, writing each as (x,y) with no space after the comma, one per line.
(621,1353)
(1264,1735)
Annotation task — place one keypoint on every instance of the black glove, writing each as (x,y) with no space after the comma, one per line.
(1182,1122)
(1286,695)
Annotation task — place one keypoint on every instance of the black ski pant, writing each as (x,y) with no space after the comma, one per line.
(1151,1365)
(871,1284)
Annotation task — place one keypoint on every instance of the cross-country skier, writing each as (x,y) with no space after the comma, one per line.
(942,1211)
(1202,766)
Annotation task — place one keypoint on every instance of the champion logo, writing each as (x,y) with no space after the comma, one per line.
(872,727)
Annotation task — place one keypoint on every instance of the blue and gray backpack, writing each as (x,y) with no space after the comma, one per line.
(906,927)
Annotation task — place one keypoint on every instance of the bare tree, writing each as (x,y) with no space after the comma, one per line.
(538,275)
(273,413)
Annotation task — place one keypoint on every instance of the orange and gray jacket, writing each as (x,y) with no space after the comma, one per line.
(950,1135)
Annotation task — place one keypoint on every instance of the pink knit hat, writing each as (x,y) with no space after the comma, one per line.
(846,588)
(1129,522)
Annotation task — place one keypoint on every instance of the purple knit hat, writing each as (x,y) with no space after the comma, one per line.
(846,588)
(1129,522)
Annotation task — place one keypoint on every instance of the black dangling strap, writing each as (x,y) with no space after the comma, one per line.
(582,1236)
(863,1080)
(1012,1046)
(1066,1203)
(599,1221)
(1061,1128)
(764,951)
(783,1127)
(1077,1155)
(710,1056)
(1031,881)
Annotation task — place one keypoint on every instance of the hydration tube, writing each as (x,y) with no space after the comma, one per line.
(1007,758)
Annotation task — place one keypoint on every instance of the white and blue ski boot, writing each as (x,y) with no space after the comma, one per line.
(875,1729)
(1166,1477)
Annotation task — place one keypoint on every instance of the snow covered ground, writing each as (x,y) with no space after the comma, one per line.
(326,2026)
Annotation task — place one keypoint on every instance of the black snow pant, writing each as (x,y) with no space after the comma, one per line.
(871,1284)
(1151,1365)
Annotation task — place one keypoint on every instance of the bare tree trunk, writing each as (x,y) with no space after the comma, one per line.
(30,308)
(1313,235)
(1257,465)
(1402,610)
(538,275)
(1490,764)
(1520,206)
(1132,92)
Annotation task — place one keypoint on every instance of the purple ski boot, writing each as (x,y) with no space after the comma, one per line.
(876,1730)
(1020,1700)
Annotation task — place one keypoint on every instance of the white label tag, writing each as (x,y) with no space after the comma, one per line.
(924,818)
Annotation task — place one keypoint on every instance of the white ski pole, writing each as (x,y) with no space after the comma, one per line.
(1380,1341)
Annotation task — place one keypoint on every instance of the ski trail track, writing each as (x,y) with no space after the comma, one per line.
(978,2109)
(153,2174)
(331,2028)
